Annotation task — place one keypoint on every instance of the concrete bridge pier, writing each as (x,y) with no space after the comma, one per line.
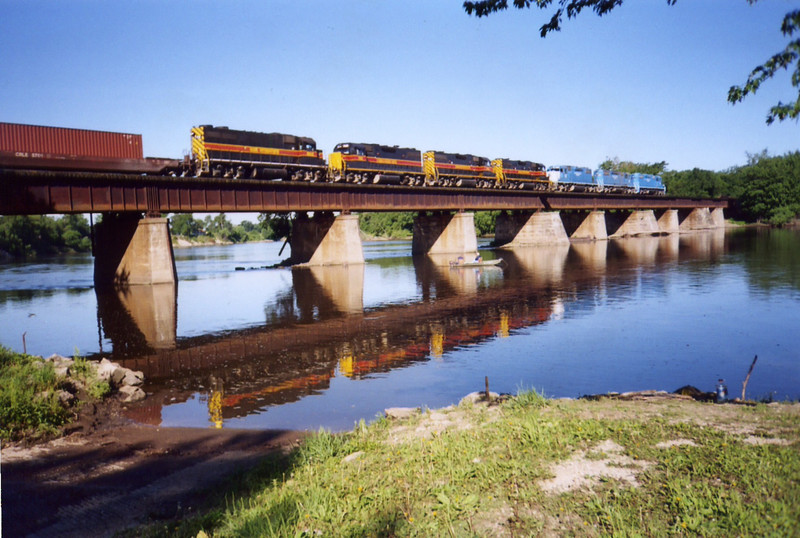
(668,221)
(130,250)
(718,217)
(444,233)
(698,219)
(588,226)
(326,239)
(523,228)
(637,223)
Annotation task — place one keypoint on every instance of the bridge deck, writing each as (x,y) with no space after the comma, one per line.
(28,192)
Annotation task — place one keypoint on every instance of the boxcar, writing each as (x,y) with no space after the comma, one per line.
(58,148)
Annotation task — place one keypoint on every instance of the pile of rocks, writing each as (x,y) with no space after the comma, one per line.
(124,381)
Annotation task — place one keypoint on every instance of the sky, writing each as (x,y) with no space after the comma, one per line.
(646,83)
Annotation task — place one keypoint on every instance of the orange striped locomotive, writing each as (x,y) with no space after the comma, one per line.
(223,152)
(526,175)
(374,163)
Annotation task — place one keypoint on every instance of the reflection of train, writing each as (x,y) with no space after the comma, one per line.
(228,153)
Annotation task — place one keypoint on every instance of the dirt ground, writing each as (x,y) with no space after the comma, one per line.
(109,474)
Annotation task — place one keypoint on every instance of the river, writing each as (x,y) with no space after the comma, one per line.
(239,345)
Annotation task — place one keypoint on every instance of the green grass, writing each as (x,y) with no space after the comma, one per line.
(28,400)
(29,403)
(482,477)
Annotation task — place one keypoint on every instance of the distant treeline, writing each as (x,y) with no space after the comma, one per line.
(767,189)
(37,235)
(219,228)
(400,225)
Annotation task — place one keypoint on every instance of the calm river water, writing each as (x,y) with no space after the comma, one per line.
(237,345)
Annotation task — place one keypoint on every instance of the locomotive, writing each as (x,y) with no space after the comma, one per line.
(221,152)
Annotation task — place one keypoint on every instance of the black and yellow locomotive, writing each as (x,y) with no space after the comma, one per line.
(375,163)
(223,152)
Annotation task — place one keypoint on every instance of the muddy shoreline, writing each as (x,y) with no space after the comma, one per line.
(109,473)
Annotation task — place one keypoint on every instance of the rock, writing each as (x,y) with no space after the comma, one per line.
(65,398)
(123,377)
(129,394)
(401,412)
(695,393)
(60,364)
(475,397)
(105,368)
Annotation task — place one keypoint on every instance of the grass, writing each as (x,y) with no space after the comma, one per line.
(29,394)
(479,471)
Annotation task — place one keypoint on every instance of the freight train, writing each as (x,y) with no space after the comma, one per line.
(229,153)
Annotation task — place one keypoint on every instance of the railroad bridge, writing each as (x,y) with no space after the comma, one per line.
(132,249)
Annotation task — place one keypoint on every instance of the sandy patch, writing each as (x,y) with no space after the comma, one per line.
(753,440)
(587,468)
(437,422)
(676,442)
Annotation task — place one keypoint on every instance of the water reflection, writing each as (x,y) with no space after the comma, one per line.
(247,371)
(437,278)
(313,346)
(320,330)
(139,318)
(542,265)
(318,293)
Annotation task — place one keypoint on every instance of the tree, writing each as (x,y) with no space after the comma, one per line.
(186,225)
(771,188)
(275,225)
(788,57)
(615,165)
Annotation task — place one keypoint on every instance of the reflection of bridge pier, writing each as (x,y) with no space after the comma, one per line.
(640,250)
(593,254)
(704,244)
(139,318)
(438,279)
(330,289)
(544,263)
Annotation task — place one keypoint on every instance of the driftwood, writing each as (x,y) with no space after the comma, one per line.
(746,379)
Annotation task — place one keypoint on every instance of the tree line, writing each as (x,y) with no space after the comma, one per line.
(22,236)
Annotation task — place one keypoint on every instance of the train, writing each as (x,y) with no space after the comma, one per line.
(221,152)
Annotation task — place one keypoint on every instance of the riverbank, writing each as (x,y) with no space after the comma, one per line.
(646,464)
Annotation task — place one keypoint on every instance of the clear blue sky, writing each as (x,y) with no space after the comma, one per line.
(646,83)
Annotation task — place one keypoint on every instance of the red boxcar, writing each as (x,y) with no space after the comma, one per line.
(63,141)
(59,148)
